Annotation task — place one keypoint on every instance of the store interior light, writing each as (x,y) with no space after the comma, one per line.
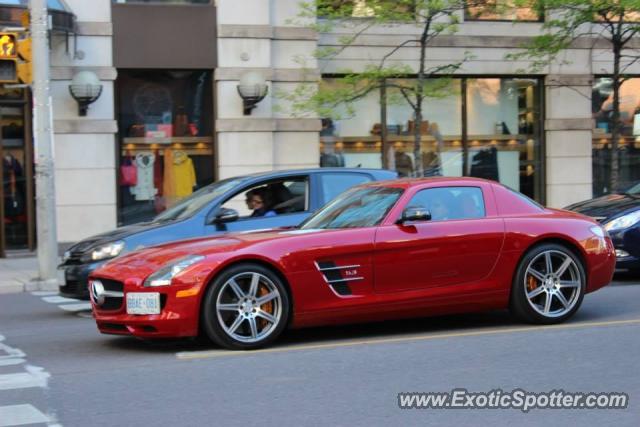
(85,88)
(252,89)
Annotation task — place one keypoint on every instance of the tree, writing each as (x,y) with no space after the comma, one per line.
(608,24)
(432,17)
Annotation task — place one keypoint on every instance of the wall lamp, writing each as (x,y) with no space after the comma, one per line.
(252,89)
(85,88)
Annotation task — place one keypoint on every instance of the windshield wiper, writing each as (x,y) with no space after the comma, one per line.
(635,196)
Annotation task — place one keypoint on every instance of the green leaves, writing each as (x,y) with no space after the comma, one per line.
(346,22)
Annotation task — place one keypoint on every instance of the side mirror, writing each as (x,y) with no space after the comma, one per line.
(414,213)
(226,215)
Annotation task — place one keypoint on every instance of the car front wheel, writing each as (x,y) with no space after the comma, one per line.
(549,285)
(246,307)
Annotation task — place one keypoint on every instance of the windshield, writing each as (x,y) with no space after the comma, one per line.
(192,204)
(634,190)
(358,207)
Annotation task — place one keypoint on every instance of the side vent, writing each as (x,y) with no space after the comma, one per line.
(336,276)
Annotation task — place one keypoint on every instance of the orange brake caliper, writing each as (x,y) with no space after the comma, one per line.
(531,283)
(268,306)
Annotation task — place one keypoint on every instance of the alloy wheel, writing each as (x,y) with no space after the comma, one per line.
(552,283)
(249,307)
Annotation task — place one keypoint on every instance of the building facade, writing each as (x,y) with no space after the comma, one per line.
(170,119)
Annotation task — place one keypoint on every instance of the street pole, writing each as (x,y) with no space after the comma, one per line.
(43,143)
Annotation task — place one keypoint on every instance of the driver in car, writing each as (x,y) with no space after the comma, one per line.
(259,200)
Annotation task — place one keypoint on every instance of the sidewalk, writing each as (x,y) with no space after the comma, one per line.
(20,274)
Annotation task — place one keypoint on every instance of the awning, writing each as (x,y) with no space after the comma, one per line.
(62,18)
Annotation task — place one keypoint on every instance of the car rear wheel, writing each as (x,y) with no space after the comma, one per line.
(549,285)
(246,307)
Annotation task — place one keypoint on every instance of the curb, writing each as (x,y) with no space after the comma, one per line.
(19,286)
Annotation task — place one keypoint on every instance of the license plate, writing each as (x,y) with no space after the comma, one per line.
(143,303)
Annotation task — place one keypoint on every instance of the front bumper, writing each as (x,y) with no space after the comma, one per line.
(179,315)
(628,242)
(76,279)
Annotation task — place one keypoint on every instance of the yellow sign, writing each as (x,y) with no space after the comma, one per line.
(8,45)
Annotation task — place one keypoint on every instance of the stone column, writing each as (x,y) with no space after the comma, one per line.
(84,146)
(568,133)
(263,36)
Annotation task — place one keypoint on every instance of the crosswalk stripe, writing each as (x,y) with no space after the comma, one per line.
(59,300)
(76,307)
(19,380)
(17,415)
(7,352)
(44,293)
(12,361)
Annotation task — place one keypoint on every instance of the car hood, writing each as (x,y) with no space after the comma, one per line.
(113,235)
(605,207)
(151,259)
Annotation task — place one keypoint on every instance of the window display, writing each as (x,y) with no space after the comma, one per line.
(501,10)
(165,120)
(629,142)
(15,171)
(488,127)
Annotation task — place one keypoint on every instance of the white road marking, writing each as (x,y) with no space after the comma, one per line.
(9,362)
(9,352)
(85,314)
(17,415)
(206,354)
(43,293)
(18,380)
(59,300)
(81,306)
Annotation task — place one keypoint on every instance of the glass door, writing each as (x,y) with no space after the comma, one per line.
(16,213)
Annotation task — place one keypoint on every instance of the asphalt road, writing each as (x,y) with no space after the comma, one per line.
(55,367)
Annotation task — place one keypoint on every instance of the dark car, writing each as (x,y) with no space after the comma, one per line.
(217,208)
(620,215)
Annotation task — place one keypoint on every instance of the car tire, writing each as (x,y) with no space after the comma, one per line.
(246,307)
(544,295)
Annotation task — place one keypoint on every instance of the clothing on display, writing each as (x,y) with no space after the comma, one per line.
(144,188)
(184,174)
(404,164)
(332,160)
(484,164)
(168,180)
(13,190)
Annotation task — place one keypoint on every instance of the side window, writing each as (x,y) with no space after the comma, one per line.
(446,203)
(271,198)
(333,184)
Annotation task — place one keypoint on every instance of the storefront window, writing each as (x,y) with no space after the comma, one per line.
(361,8)
(629,142)
(440,130)
(503,127)
(500,10)
(487,128)
(166,144)
(164,1)
(16,171)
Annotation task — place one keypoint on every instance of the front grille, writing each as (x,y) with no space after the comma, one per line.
(112,303)
(74,287)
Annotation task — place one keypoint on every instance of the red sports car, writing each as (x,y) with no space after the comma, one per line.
(383,250)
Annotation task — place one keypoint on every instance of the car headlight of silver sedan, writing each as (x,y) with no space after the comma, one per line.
(625,221)
(110,250)
(165,275)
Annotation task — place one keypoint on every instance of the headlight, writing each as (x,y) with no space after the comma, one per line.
(109,250)
(624,221)
(164,276)
(598,231)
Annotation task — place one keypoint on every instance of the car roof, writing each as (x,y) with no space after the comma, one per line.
(382,173)
(413,182)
